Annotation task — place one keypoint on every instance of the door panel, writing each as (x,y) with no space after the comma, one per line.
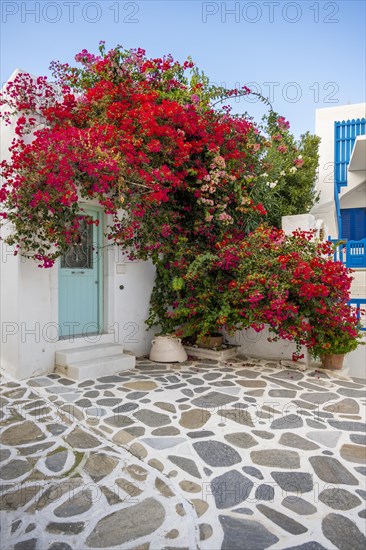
(80,284)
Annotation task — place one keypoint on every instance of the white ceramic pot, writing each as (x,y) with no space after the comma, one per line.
(166,349)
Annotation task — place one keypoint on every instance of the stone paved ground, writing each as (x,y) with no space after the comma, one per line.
(245,455)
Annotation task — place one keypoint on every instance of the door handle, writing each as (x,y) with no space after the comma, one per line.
(77,272)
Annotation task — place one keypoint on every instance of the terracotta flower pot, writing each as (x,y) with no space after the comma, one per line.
(210,342)
(332,361)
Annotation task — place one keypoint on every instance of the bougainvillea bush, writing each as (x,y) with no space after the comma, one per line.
(145,135)
(184,182)
(289,283)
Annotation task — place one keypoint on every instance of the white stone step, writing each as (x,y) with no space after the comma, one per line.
(101,366)
(65,357)
(84,341)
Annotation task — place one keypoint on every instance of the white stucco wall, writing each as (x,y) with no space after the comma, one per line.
(256,344)
(355,362)
(27,324)
(128,308)
(9,307)
(324,128)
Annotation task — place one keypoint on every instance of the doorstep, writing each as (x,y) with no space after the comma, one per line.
(93,361)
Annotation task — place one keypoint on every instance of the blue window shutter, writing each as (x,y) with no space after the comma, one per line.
(353,223)
(346,224)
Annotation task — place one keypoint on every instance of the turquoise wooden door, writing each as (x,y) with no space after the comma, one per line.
(80,284)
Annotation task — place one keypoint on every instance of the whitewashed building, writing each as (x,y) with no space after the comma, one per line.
(342,176)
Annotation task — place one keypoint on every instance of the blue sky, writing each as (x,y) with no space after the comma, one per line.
(305,55)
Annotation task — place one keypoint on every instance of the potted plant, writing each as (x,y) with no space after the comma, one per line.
(334,344)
